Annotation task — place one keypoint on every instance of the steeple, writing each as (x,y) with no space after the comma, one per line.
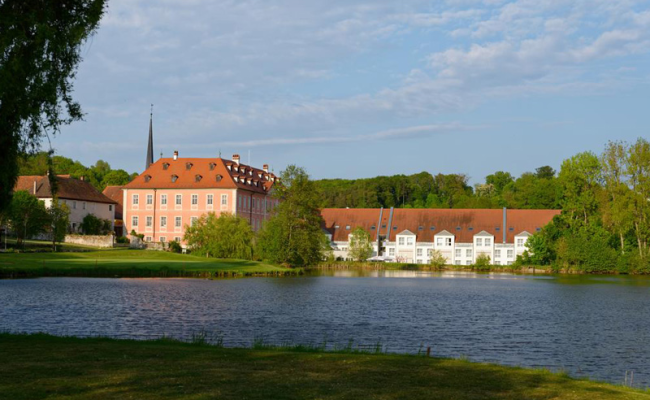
(150,146)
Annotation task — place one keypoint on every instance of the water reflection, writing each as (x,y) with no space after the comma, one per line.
(593,326)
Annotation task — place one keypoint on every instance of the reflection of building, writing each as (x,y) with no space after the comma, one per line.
(410,235)
(78,194)
(174,192)
(115,193)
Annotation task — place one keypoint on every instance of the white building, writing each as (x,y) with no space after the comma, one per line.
(411,235)
(78,194)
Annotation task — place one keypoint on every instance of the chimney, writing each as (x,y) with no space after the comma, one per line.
(505,222)
(175,155)
(266,168)
(34,188)
(235,158)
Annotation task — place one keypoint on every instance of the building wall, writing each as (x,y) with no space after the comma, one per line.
(163,217)
(79,209)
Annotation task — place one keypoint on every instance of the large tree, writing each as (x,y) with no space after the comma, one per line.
(40,45)
(293,236)
(27,216)
(360,245)
(226,236)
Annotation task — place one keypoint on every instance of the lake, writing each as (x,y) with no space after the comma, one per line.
(598,327)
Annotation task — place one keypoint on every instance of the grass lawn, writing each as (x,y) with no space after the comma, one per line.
(42,366)
(128,263)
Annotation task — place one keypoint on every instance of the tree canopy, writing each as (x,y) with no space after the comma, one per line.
(226,236)
(40,49)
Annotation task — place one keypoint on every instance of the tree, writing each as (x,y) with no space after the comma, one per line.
(92,225)
(226,236)
(545,172)
(579,177)
(638,169)
(40,45)
(59,216)
(27,216)
(117,177)
(617,198)
(293,235)
(360,245)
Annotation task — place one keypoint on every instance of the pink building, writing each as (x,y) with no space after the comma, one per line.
(174,192)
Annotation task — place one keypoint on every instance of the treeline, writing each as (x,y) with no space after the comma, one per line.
(605,220)
(99,175)
(532,190)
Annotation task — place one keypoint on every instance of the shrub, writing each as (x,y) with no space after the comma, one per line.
(175,247)
(92,225)
(437,259)
(482,263)
(122,240)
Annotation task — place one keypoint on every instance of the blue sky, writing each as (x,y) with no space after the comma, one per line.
(355,88)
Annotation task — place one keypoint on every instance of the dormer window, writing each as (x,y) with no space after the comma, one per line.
(197,178)
(174,178)
(219,178)
(229,167)
(165,166)
(250,172)
(188,166)
(212,165)
(259,175)
(236,179)
(147,178)
(236,168)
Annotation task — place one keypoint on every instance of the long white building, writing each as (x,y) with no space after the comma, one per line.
(460,235)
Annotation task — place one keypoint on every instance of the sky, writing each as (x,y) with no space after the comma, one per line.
(356,88)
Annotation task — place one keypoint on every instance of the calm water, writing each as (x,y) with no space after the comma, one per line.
(597,327)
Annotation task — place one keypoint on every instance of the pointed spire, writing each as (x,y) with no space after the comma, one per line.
(150,146)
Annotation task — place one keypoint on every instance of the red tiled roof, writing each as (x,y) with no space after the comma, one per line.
(68,188)
(115,193)
(426,223)
(205,173)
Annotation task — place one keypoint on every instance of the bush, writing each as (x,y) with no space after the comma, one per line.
(482,263)
(175,247)
(122,240)
(437,259)
(92,225)
(136,234)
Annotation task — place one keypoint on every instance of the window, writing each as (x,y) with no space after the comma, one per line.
(468,253)
(178,239)
(488,241)
(149,199)
(410,241)
(458,228)
(497,253)
(179,199)
(391,251)
(458,253)
(347,227)
(135,199)
(165,166)
(197,178)
(468,262)
(511,253)
(84,205)
(372,228)
(163,222)
(440,241)
(178,222)
(430,252)
(401,241)
(448,241)
(224,199)
(174,178)
(193,220)
(209,199)
(420,228)
(520,242)
(479,241)
(418,252)
(497,263)
(163,239)
(163,199)
(195,199)
(470,228)
(148,239)
(433,228)
(134,220)
(395,228)
(149,221)
(110,207)
(74,205)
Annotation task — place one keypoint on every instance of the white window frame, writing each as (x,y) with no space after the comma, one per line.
(448,240)
(401,241)
(468,253)
(510,253)
(178,223)
(224,201)
(163,223)
(458,253)
(209,201)
(135,220)
(150,199)
(135,201)
(162,239)
(488,242)
(148,222)
(194,201)
(497,253)
(178,197)
(479,242)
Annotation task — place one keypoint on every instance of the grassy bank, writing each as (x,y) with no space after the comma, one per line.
(41,366)
(351,265)
(130,263)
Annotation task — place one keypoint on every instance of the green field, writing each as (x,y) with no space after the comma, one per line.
(41,366)
(129,263)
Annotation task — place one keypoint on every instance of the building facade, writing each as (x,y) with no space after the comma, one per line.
(78,194)
(174,192)
(412,235)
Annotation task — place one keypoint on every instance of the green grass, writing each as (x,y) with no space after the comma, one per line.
(129,263)
(42,366)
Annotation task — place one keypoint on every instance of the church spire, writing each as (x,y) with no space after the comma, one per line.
(150,146)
